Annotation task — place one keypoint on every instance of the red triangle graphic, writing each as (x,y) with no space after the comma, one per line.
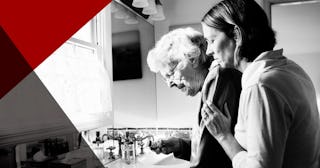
(13,66)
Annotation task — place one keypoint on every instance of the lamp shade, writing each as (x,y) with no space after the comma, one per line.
(121,14)
(159,15)
(140,3)
(150,9)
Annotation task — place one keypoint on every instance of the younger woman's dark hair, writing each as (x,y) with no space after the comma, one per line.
(247,17)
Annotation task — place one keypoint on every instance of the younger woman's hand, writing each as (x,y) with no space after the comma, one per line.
(216,122)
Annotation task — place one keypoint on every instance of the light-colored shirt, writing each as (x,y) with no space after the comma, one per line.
(278,121)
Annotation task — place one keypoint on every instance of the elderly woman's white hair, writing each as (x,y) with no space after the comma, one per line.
(178,45)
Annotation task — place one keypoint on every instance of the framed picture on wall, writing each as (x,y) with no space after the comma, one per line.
(126,56)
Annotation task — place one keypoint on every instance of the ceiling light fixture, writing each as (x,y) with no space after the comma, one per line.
(159,15)
(140,3)
(150,9)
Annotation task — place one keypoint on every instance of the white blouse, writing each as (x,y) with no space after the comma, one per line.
(278,120)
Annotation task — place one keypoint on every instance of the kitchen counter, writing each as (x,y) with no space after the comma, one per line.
(151,160)
(121,164)
(147,160)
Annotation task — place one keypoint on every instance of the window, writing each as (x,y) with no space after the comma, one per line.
(76,77)
(87,32)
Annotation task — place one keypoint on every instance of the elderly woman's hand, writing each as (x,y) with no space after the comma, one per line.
(216,122)
(166,146)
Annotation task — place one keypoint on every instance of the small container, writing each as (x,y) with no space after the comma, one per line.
(98,147)
(128,151)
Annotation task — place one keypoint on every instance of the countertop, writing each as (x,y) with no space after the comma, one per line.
(150,160)
(147,160)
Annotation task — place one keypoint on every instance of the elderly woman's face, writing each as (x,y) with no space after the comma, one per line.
(185,77)
(220,46)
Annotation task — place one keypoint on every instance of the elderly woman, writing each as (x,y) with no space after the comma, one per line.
(278,121)
(180,58)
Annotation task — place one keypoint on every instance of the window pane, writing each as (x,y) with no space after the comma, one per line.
(86,32)
(77,80)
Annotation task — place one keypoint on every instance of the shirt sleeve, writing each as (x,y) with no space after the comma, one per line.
(184,151)
(266,128)
(239,159)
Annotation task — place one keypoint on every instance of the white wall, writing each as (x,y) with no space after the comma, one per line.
(181,12)
(134,101)
(297,28)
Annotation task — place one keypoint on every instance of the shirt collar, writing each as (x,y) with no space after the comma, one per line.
(266,55)
(269,55)
(255,67)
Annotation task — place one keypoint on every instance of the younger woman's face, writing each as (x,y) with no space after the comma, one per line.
(220,46)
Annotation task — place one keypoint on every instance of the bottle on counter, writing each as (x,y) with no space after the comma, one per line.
(128,151)
(98,147)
